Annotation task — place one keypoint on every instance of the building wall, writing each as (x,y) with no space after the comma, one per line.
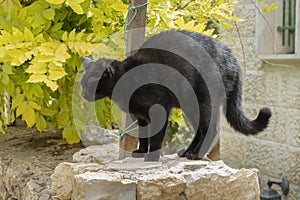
(276,151)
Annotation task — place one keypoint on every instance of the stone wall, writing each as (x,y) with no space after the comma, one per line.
(276,151)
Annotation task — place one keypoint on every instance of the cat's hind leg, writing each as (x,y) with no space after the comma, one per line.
(155,145)
(143,140)
(208,131)
(194,120)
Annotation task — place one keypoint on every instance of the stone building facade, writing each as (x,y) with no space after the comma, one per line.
(271,79)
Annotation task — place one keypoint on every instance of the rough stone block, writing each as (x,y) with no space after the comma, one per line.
(160,186)
(232,184)
(99,154)
(63,178)
(177,178)
(103,185)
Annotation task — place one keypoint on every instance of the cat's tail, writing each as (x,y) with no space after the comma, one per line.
(238,120)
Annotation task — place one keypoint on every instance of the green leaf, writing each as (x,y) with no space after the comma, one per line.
(18,36)
(63,118)
(189,25)
(28,35)
(21,108)
(7,69)
(118,7)
(269,8)
(34,105)
(56,73)
(1,127)
(37,68)
(17,100)
(37,78)
(72,35)
(179,22)
(41,123)
(75,5)
(61,53)
(57,27)
(10,88)
(176,116)
(71,136)
(37,90)
(47,112)
(28,115)
(55,2)
(51,84)
(49,14)
(4,78)
(65,36)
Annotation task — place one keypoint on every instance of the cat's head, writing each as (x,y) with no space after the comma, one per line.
(99,78)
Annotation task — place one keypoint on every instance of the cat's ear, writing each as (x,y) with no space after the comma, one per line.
(87,62)
(114,67)
(110,71)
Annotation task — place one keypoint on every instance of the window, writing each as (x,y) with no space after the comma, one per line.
(278,34)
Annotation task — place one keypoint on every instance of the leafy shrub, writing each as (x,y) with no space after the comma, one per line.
(42,41)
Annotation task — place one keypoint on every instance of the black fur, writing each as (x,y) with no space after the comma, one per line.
(102,75)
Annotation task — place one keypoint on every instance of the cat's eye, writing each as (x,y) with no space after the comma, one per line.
(104,75)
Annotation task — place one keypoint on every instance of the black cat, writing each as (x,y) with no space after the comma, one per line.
(205,64)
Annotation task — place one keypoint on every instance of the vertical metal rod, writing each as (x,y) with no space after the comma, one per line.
(294,24)
(283,23)
(290,22)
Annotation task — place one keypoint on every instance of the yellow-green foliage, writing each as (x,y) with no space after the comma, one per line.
(191,15)
(41,42)
(267,6)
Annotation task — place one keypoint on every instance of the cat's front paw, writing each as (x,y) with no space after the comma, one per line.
(138,154)
(182,153)
(192,156)
(152,156)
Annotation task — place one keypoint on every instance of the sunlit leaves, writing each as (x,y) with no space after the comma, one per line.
(75,5)
(4,78)
(56,72)
(190,15)
(37,78)
(28,115)
(37,68)
(269,8)
(41,123)
(41,44)
(77,44)
(49,14)
(71,136)
(56,2)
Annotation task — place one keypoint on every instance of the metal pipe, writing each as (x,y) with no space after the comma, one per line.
(290,22)
(283,22)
